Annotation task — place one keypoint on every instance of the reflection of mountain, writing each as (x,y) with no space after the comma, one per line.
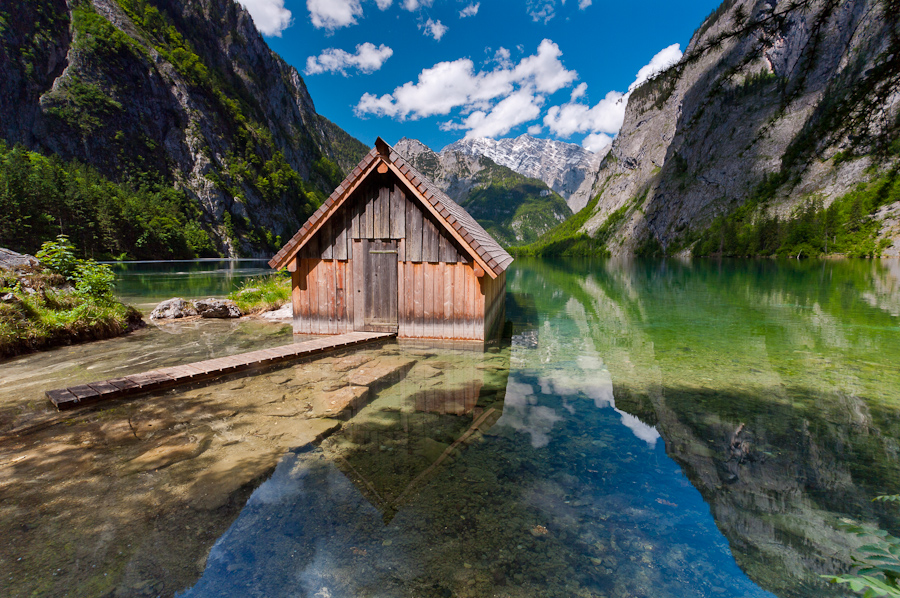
(794,353)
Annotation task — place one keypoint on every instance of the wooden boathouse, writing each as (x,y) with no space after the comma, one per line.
(389,252)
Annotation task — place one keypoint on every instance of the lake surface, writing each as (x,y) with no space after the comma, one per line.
(649,428)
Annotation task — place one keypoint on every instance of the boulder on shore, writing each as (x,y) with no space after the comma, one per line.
(173,308)
(10,260)
(205,308)
(217,308)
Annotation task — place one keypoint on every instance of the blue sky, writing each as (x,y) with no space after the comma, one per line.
(441,70)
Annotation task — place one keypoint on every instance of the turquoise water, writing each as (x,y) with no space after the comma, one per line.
(647,429)
(148,283)
(668,429)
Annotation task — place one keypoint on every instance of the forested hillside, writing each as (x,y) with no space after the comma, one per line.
(159,128)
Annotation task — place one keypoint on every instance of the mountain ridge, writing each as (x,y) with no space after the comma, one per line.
(568,169)
(514,208)
(776,114)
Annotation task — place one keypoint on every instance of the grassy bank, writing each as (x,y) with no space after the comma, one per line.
(264,293)
(39,311)
(62,301)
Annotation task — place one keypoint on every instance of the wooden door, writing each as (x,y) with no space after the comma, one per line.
(380,286)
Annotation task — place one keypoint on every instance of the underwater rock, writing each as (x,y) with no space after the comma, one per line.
(379,370)
(174,450)
(335,403)
(425,371)
(351,362)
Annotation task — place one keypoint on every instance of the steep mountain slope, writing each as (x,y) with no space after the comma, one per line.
(514,208)
(172,93)
(756,141)
(568,169)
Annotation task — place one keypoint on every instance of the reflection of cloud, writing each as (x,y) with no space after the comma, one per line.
(646,433)
(521,413)
(569,369)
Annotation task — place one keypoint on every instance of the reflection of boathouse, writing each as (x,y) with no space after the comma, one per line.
(420,424)
(389,252)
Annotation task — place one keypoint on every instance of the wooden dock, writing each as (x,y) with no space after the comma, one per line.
(83,394)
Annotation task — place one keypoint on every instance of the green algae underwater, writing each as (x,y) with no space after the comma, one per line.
(649,428)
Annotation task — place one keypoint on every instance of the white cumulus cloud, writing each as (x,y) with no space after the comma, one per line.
(520,107)
(470,11)
(582,4)
(596,142)
(383,4)
(367,59)
(574,117)
(434,29)
(660,62)
(412,5)
(269,16)
(604,119)
(333,14)
(488,97)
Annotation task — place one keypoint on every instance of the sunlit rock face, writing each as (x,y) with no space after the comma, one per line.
(765,88)
(94,83)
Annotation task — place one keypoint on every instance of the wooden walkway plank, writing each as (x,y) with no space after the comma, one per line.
(83,394)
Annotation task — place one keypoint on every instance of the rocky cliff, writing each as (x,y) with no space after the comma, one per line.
(514,208)
(182,93)
(568,169)
(777,110)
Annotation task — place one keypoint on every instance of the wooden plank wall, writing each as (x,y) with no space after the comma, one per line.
(383,212)
(440,301)
(439,296)
(322,296)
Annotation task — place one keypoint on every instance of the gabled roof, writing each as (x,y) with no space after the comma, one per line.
(474,239)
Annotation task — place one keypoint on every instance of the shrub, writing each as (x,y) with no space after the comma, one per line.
(877,562)
(261,294)
(59,256)
(90,278)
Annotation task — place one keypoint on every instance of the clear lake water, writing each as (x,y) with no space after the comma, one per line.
(646,429)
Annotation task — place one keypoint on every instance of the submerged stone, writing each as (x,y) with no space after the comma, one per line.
(332,404)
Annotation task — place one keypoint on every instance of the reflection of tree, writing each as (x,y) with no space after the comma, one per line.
(795,352)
